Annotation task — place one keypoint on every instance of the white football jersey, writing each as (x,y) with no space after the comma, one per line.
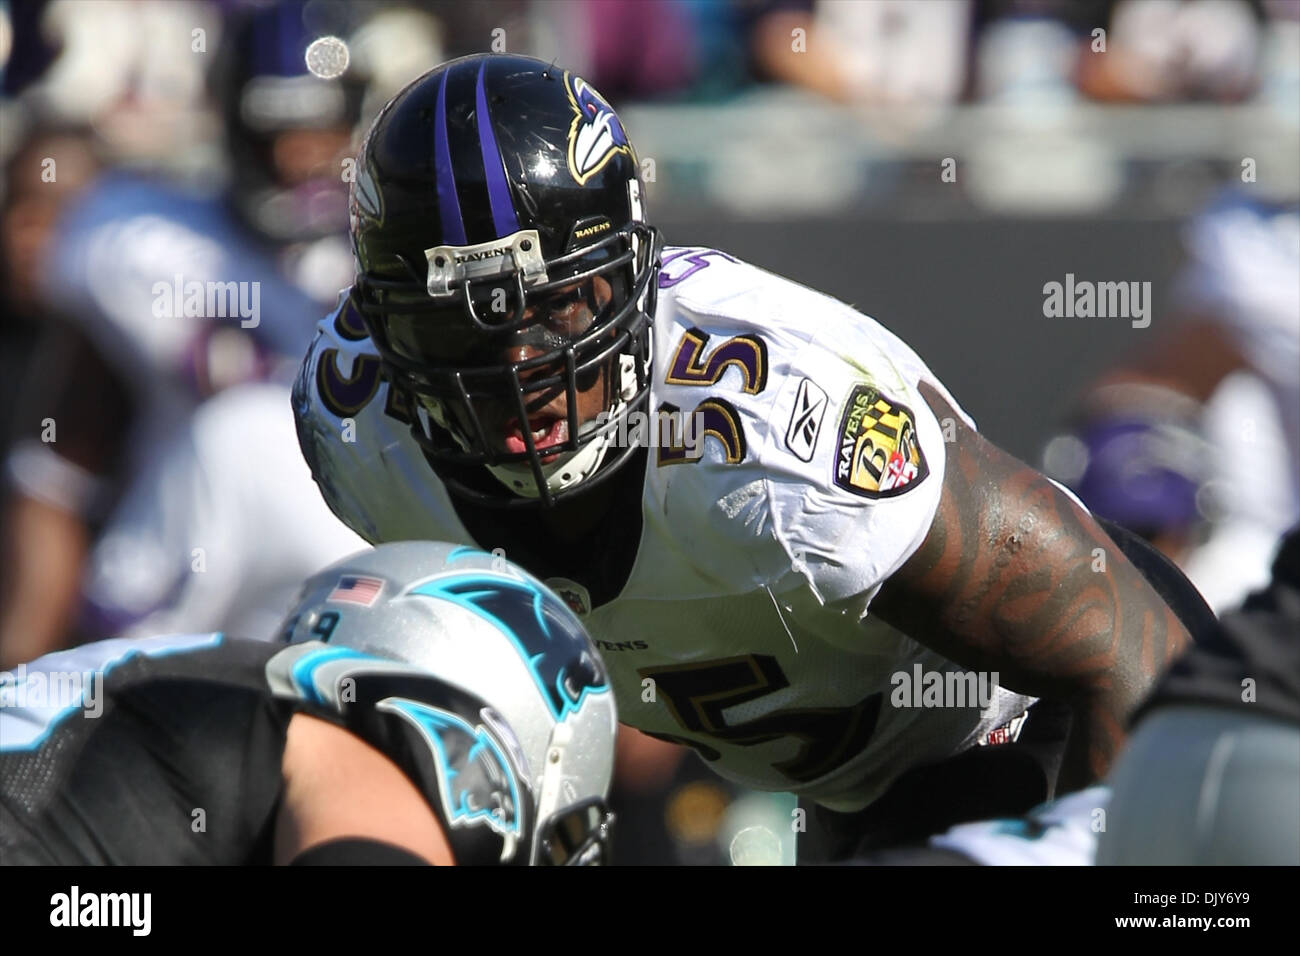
(743,627)
(1243,260)
(1244,257)
(219,531)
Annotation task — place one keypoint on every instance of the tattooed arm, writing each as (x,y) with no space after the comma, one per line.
(1005,582)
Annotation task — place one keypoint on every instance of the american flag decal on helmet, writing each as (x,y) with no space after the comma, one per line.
(353,589)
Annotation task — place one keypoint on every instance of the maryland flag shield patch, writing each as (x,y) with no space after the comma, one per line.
(879,452)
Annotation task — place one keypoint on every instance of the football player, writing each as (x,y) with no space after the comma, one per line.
(219,530)
(771,514)
(1226,372)
(434,704)
(1058,833)
(1211,775)
(130,357)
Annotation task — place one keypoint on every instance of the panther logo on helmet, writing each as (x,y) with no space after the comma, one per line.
(535,621)
(477,784)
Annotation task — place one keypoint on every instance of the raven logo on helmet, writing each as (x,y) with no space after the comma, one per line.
(596,133)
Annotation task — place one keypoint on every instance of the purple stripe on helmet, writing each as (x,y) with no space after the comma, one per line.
(503,208)
(453,224)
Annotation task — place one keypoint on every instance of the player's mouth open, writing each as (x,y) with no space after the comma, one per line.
(547,430)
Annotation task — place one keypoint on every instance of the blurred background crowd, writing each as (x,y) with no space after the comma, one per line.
(935,162)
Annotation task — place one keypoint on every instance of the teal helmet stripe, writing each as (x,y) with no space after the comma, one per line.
(303,672)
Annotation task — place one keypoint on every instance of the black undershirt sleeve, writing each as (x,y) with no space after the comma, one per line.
(357,851)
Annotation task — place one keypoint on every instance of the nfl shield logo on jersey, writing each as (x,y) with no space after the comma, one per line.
(571,593)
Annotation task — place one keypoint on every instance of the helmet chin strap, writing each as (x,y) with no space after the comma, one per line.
(572,467)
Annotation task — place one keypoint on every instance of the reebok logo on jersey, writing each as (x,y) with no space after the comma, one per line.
(806,420)
(879,455)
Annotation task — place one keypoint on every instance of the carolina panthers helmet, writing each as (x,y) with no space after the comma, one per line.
(504,261)
(484,683)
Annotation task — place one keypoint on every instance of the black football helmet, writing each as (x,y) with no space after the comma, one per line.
(504,264)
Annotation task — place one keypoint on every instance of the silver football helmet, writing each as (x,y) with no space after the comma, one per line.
(484,683)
